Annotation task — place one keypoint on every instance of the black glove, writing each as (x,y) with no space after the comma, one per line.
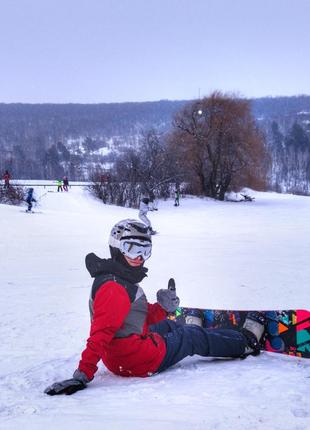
(69,386)
(168,299)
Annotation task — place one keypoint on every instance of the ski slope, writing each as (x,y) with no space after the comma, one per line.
(224,255)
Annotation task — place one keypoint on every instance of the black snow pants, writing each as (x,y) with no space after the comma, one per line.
(187,340)
(29,202)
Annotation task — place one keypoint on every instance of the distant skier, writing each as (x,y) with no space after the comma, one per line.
(30,199)
(177,197)
(6,177)
(153,202)
(135,338)
(153,205)
(59,185)
(143,210)
(65,182)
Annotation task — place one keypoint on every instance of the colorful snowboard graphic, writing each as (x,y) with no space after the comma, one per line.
(288,331)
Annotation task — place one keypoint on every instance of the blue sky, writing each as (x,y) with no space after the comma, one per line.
(96,51)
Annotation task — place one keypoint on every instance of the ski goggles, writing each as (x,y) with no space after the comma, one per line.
(134,248)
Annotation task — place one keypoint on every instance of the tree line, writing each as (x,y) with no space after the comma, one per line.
(290,155)
(212,146)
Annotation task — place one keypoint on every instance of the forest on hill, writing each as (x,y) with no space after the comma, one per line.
(46,141)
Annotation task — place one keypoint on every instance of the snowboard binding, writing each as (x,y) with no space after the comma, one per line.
(253,330)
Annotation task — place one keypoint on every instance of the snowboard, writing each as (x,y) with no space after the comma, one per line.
(287,331)
(31,212)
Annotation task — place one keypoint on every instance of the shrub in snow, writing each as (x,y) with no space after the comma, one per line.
(13,195)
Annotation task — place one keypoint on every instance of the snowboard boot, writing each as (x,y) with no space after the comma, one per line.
(253,330)
(194,316)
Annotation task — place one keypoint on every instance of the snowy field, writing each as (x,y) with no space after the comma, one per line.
(222,255)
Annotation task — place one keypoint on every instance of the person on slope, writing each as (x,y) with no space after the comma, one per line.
(30,199)
(59,184)
(143,210)
(65,182)
(6,178)
(177,197)
(135,338)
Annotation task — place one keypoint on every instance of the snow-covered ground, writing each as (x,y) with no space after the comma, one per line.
(224,255)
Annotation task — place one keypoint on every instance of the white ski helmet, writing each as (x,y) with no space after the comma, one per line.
(131,238)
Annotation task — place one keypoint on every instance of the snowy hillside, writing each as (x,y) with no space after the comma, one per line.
(223,255)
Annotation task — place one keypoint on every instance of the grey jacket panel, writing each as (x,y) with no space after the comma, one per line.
(135,320)
(136,317)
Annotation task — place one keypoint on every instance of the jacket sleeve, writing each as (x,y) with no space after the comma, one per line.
(111,306)
(155,313)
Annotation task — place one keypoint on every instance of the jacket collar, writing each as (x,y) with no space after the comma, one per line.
(99,266)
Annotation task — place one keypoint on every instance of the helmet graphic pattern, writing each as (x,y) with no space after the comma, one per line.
(129,228)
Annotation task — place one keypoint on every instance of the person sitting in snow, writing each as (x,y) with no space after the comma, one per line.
(30,199)
(135,338)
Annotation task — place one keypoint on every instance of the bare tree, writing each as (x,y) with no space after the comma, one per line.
(156,173)
(146,169)
(220,145)
(149,165)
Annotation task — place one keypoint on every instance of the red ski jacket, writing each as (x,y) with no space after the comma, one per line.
(139,354)
(6,177)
